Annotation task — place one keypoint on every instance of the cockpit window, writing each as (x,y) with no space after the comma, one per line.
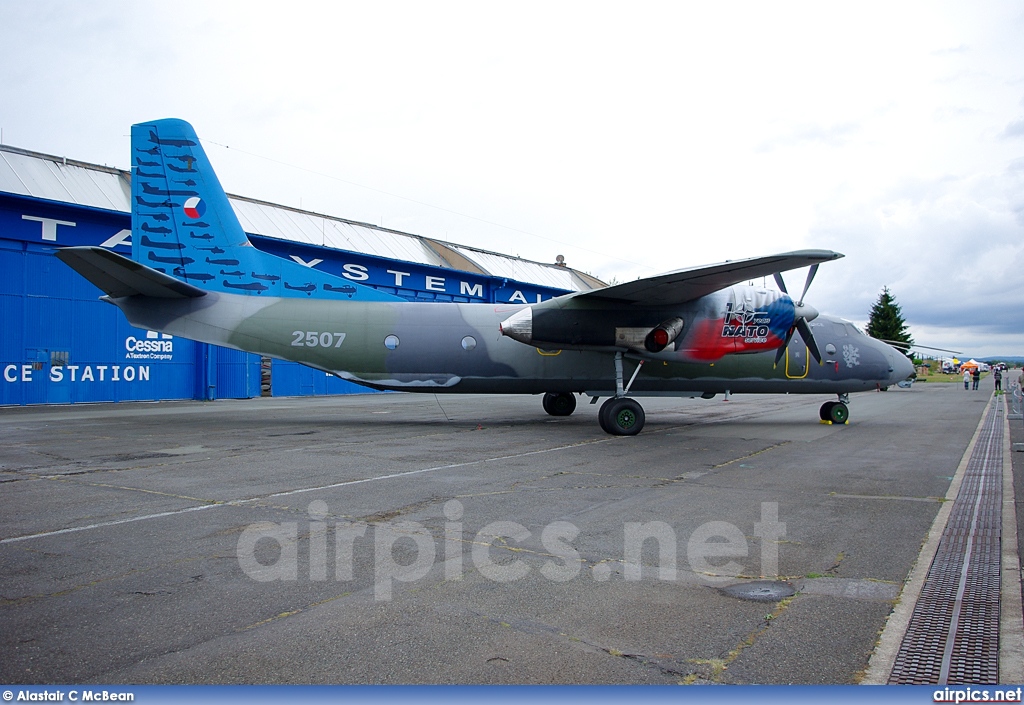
(850,328)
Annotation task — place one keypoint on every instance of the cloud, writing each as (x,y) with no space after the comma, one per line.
(950,249)
(1014,129)
(962,49)
(630,143)
(838,135)
(950,112)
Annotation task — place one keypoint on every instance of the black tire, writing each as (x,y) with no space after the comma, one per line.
(622,417)
(825,412)
(559,403)
(602,414)
(839,413)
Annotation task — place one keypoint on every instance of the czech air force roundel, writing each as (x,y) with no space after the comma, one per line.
(194,207)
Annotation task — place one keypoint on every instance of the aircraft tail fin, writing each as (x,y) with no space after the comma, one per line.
(184,225)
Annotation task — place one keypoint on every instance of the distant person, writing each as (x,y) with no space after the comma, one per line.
(976,376)
(997,376)
(967,377)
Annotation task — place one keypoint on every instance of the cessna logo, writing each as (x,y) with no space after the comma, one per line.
(155,346)
(746,322)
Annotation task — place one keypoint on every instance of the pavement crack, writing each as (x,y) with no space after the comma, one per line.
(292,613)
(715,668)
(650,662)
(26,599)
(773,446)
(834,568)
(64,478)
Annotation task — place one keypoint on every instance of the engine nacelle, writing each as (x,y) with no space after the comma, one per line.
(589,329)
(663,334)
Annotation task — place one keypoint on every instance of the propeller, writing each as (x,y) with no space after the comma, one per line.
(804,314)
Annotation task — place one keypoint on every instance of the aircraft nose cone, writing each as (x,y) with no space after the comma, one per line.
(902,368)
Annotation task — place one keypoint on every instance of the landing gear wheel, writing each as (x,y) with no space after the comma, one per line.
(825,412)
(621,416)
(559,403)
(839,413)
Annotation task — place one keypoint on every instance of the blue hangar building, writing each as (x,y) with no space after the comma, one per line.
(61,345)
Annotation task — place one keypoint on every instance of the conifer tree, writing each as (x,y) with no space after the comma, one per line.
(885,321)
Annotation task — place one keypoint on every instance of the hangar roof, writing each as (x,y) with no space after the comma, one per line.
(64,180)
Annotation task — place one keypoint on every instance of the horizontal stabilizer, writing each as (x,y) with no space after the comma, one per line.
(119,276)
(689,284)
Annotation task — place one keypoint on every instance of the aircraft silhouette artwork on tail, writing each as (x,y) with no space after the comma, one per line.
(152,204)
(349,290)
(694,332)
(151,190)
(250,286)
(197,276)
(158,245)
(155,139)
(307,289)
(168,260)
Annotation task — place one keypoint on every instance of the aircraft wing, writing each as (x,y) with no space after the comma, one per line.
(688,284)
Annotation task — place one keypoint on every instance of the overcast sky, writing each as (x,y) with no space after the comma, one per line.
(630,139)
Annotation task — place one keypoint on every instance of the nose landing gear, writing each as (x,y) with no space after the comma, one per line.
(836,412)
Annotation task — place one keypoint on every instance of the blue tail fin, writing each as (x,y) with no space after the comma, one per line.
(184,225)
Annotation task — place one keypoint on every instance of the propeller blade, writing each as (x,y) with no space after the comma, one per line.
(805,333)
(807,284)
(782,284)
(782,350)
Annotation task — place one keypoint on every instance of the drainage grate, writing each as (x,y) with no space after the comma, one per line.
(953,635)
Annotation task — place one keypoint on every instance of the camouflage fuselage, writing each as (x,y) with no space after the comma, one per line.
(457,348)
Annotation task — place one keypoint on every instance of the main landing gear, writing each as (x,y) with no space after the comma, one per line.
(559,403)
(619,416)
(836,412)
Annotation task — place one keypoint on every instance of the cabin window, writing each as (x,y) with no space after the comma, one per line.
(468,343)
(391,342)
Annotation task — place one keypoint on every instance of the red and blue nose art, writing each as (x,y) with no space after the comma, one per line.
(752,323)
(195,208)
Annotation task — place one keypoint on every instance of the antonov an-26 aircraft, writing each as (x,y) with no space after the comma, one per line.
(694,332)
